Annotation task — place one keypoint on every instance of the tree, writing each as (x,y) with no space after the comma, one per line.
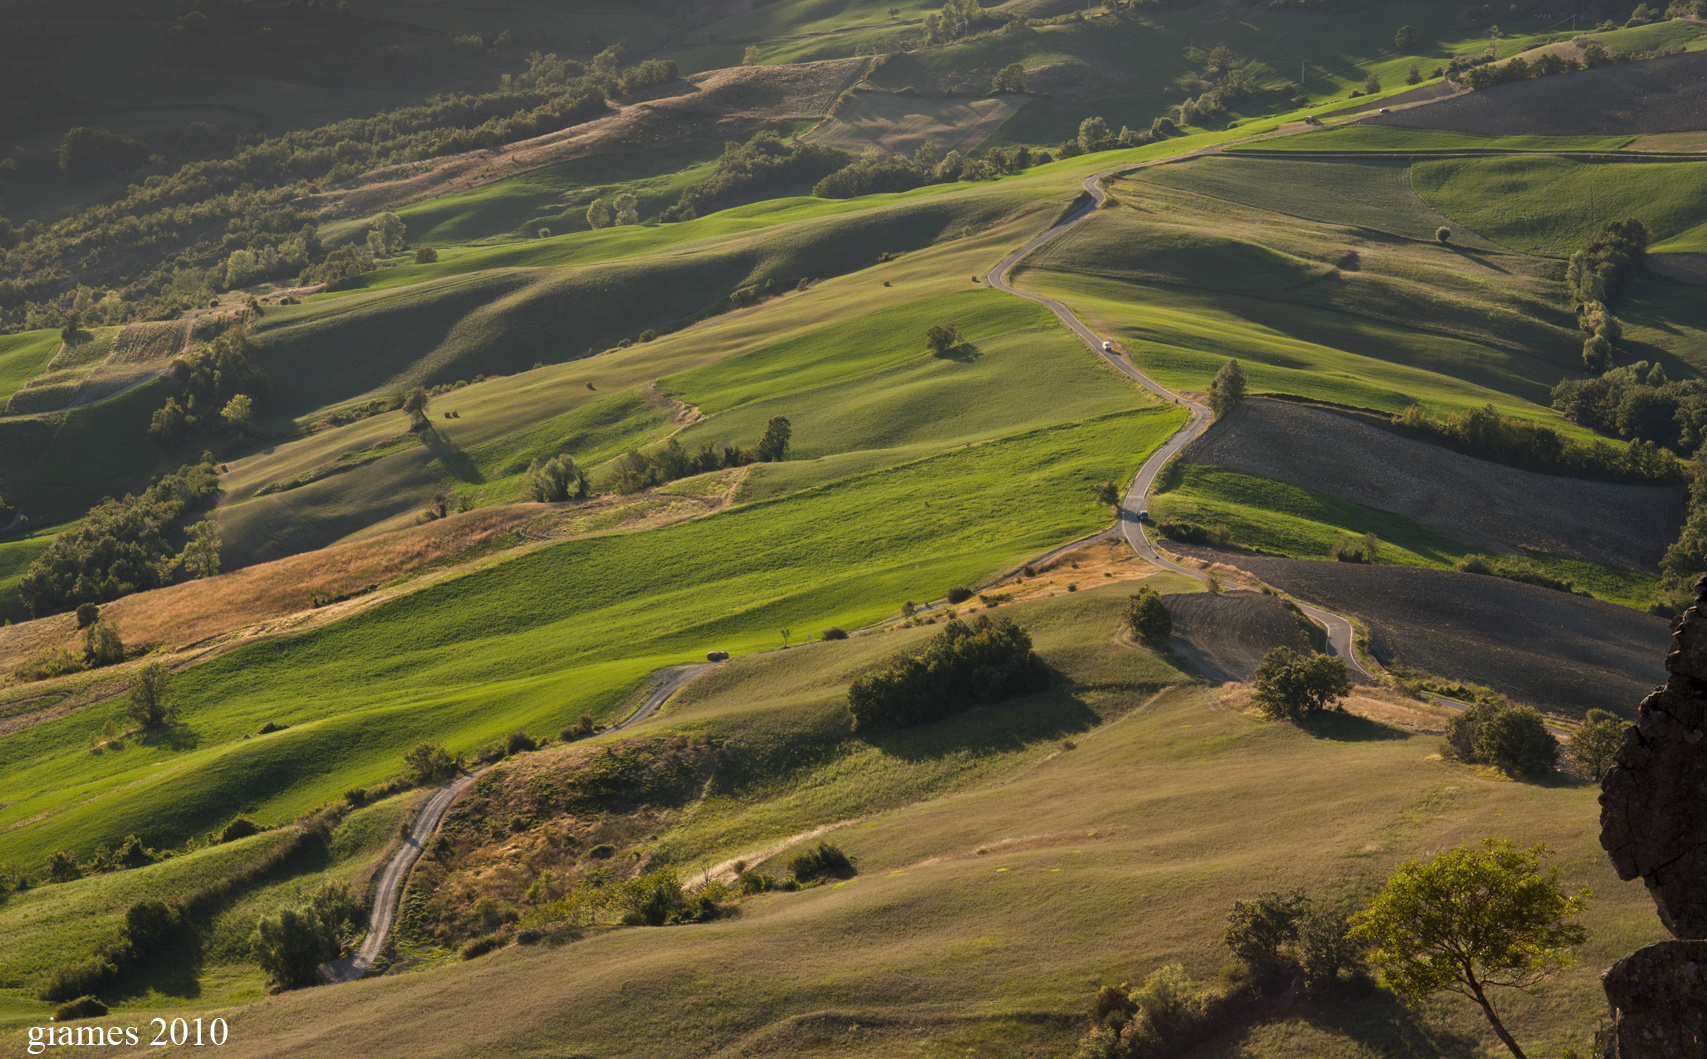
(239,412)
(1010,79)
(62,866)
(425,255)
(1107,493)
(598,214)
(102,645)
(1468,921)
(1518,742)
(290,947)
(201,551)
(773,447)
(1594,746)
(1093,135)
(415,406)
(1406,40)
(429,763)
(390,228)
(627,209)
(71,328)
(153,700)
(1597,354)
(556,480)
(1414,75)
(1227,389)
(1293,686)
(1371,85)
(940,338)
(1443,235)
(1147,617)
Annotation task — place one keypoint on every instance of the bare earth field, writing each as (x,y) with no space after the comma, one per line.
(1554,651)
(717,105)
(902,123)
(1687,268)
(1658,95)
(1469,500)
(1225,636)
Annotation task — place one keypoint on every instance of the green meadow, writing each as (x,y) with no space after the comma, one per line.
(1395,139)
(23,356)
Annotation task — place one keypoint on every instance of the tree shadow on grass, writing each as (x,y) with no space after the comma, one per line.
(168,737)
(456,462)
(1003,728)
(965,353)
(174,971)
(1380,1022)
(1342,727)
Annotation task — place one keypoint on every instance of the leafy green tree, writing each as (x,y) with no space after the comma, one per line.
(773,447)
(238,413)
(1517,741)
(415,404)
(1597,354)
(290,947)
(71,329)
(426,255)
(1371,85)
(1406,40)
(966,664)
(556,480)
(1470,921)
(1594,746)
(1293,686)
(153,700)
(62,866)
(1414,75)
(201,551)
(1227,389)
(940,338)
(1107,493)
(102,645)
(1443,235)
(598,214)
(1010,79)
(391,230)
(428,763)
(1094,135)
(627,209)
(1147,617)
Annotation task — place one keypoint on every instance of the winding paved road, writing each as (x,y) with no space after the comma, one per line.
(1339,629)
(389,887)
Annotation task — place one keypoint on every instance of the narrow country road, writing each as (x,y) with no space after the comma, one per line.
(389,886)
(1339,629)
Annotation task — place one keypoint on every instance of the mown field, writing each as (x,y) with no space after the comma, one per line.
(1011,861)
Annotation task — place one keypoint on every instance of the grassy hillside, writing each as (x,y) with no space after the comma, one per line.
(23,357)
(1011,860)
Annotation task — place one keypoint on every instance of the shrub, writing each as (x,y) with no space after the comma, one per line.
(1293,686)
(73,980)
(518,741)
(290,947)
(1513,569)
(356,796)
(428,764)
(480,946)
(835,632)
(602,851)
(648,335)
(241,827)
(87,614)
(556,480)
(425,255)
(102,645)
(1147,617)
(581,729)
(1492,731)
(940,338)
(959,594)
(826,861)
(84,1007)
(964,665)
(1192,533)
(153,700)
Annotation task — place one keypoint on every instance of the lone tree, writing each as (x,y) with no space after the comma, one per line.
(598,214)
(1147,617)
(153,701)
(1107,493)
(1227,390)
(1009,79)
(201,551)
(429,763)
(1595,744)
(1371,85)
(290,947)
(773,447)
(941,338)
(415,405)
(1471,920)
(1443,235)
(1293,686)
(1407,39)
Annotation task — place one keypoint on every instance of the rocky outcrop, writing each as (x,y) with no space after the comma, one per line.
(1653,823)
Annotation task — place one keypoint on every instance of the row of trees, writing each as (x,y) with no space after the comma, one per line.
(965,665)
(636,470)
(127,545)
(1486,434)
(764,163)
(218,387)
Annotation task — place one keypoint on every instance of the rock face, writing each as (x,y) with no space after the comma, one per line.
(1653,823)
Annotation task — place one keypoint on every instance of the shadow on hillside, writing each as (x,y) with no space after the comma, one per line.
(168,737)
(174,972)
(1004,728)
(1380,1022)
(965,353)
(1342,727)
(456,462)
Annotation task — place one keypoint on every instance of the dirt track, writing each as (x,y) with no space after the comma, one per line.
(1658,95)
(1225,636)
(1470,500)
(1552,650)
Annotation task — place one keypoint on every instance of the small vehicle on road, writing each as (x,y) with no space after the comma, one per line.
(1384,110)
(717,656)
(1144,515)
(1108,347)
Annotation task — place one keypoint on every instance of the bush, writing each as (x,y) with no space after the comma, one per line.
(959,594)
(73,980)
(835,632)
(152,701)
(1594,746)
(602,851)
(241,827)
(87,614)
(425,255)
(429,764)
(1443,235)
(480,946)
(824,862)
(290,947)
(1492,731)
(1192,533)
(940,338)
(1513,569)
(84,1007)
(518,741)
(1293,686)
(964,665)
(581,729)
(1147,617)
